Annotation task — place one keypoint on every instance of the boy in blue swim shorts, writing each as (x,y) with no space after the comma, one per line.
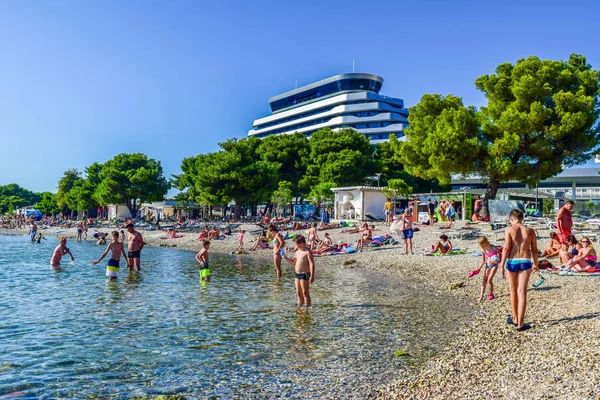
(519,258)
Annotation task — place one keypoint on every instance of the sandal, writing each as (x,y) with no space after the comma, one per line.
(491,297)
(473,273)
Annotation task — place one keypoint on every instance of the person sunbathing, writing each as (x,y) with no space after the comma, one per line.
(553,248)
(585,260)
(204,234)
(569,249)
(299,225)
(323,226)
(266,220)
(366,237)
(444,246)
(261,242)
(214,233)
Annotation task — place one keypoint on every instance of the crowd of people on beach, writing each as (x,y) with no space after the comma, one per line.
(517,257)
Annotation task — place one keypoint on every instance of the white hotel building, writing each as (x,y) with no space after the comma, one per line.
(341,101)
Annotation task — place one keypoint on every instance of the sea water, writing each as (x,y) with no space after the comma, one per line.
(73,334)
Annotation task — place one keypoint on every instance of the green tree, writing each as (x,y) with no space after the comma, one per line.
(9,203)
(283,195)
(65,184)
(343,157)
(81,196)
(290,154)
(235,173)
(321,192)
(388,162)
(131,179)
(13,189)
(591,205)
(397,187)
(47,204)
(548,205)
(540,116)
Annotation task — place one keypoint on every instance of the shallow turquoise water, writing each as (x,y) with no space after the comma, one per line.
(72,334)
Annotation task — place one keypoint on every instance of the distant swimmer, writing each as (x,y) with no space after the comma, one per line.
(202,258)
(60,251)
(305,270)
(32,231)
(134,246)
(117,248)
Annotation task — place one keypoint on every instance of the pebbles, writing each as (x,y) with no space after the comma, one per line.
(558,358)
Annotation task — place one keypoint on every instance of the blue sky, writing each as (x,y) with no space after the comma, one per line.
(81,81)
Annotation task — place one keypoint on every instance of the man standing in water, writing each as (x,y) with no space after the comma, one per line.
(564,221)
(278,246)
(134,246)
(32,230)
(520,254)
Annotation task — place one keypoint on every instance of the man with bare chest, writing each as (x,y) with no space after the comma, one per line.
(305,270)
(135,244)
(564,220)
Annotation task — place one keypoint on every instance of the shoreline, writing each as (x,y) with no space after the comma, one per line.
(487,358)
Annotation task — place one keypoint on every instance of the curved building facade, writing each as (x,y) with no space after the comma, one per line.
(341,101)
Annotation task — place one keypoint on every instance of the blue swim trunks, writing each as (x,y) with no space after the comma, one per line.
(518,264)
(408,233)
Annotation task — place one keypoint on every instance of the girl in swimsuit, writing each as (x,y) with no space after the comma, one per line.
(585,261)
(444,246)
(60,251)
(490,257)
(565,254)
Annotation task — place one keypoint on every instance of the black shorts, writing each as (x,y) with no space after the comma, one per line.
(134,254)
(305,276)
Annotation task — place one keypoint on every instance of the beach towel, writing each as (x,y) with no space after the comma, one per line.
(454,252)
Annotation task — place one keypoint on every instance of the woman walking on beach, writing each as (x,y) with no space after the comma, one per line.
(519,256)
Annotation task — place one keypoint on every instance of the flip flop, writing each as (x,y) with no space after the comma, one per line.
(473,273)
(539,282)
(510,321)
(524,328)
(491,297)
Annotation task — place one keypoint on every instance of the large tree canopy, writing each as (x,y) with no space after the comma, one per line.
(290,154)
(235,173)
(541,115)
(131,179)
(65,184)
(343,158)
(14,196)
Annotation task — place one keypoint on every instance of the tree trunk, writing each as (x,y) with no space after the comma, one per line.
(238,210)
(132,207)
(490,194)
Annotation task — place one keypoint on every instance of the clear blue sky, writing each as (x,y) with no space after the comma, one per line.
(81,81)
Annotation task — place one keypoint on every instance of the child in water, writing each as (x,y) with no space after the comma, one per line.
(117,249)
(305,270)
(202,258)
(490,257)
(60,251)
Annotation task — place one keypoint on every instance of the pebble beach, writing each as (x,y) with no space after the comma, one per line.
(487,358)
